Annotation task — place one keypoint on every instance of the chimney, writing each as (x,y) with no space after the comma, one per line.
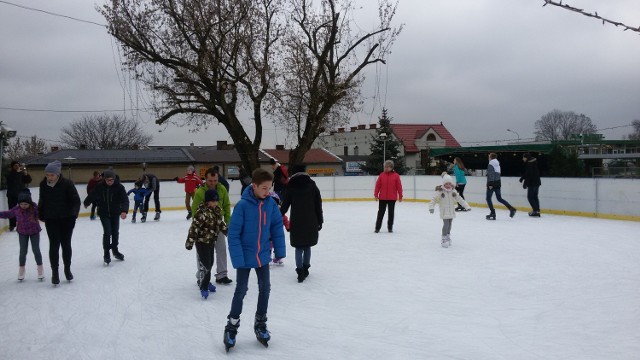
(55,148)
(373,126)
(221,144)
(279,147)
(362,127)
(340,130)
(354,128)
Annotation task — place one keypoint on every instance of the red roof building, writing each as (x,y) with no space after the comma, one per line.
(414,137)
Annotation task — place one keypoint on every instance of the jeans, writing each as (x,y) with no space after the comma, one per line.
(264,288)
(110,231)
(498,197)
(24,248)
(303,256)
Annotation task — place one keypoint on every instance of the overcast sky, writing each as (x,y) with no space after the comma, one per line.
(479,66)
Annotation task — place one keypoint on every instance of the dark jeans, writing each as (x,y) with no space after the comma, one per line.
(205,262)
(264,288)
(156,200)
(137,206)
(24,248)
(382,207)
(532,196)
(110,231)
(303,256)
(12,201)
(93,209)
(498,197)
(60,232)
(460,188)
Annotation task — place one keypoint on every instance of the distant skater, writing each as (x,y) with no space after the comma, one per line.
(388,190)
(447,198)
(493,186)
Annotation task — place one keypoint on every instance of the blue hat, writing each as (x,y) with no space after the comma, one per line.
(211,195)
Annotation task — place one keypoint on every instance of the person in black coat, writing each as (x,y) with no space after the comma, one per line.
(531,181)
(152,184)
(58,208)
(113,204)
(17,180)
(303,196)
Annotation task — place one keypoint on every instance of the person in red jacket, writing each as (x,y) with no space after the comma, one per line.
(388,190)
(191,182)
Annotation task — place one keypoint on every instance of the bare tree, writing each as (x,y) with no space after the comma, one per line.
(20,150)
(560,125)
(592,15)
(104,132)
(635,135)
(210,60)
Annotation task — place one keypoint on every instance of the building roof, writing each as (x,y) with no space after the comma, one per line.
(94,157)
(313,156)
(408,133)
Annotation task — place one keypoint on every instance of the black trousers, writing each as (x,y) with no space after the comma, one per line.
(110,231)
(12,201)
(382,207)
(532,196)
(205,261)
(156,200)
(60,232)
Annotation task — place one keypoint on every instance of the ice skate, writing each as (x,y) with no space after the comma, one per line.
(67,273)
(260,328)
(444,242)
(40,273)
(143,218)
(492,215)
(512,212)
(188,215)
(55,278)
(117,254)
(230,332)
(21,272)
(133,220)
(204,294)
(534,214)
(157,217)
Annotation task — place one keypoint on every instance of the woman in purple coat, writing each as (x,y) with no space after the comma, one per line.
(26,214)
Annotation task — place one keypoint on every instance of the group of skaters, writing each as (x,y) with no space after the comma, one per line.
(449,196)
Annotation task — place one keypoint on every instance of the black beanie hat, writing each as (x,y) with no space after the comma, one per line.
(24,197)
(211,195)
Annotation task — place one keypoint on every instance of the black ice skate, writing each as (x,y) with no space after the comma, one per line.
(230,332)
(106,258)
(157,217)
(492,215)
(117,254)
(512,212)
(143,218)
(260,328)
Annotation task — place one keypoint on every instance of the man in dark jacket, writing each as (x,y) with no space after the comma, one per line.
(152,184)
(58,208)
(303,196)
(17,180)
(531,181)
(113,205)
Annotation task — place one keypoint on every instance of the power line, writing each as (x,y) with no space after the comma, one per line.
(69,111)
(52,13)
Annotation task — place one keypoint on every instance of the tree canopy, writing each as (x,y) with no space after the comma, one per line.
(384,147)
(21,149)
(104,132)
(294,60)
(635,135)
(560,125)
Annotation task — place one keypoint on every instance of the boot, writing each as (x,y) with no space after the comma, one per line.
(21,272)
(143,218)
(492,215)
(157,217)
(106,257)
(260,328)
(40,272)
(67,272)
(449,239)
(188,215)
(444,242)
(512,212)
(230,332)
(305,271)
(117,254)
(55,279)
(133,219)
(300,272)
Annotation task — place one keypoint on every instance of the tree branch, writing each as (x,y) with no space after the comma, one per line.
(594,15)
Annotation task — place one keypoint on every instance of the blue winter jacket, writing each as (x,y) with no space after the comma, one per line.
(460,178)
(253,223)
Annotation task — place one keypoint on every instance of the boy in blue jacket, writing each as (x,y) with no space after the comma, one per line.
(256,220)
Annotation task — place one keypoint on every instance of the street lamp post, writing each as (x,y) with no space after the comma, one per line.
(383,136)
(518,135)
(69,159)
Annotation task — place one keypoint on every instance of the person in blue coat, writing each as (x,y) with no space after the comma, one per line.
(255,221)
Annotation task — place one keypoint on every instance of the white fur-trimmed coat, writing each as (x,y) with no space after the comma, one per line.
(448,201)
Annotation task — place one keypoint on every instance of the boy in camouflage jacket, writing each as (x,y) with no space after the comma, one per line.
(207,223)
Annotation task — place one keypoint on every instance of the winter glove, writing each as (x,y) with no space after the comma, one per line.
(524,186)
(431,211)
(188,246)
(176,178)
(319,227)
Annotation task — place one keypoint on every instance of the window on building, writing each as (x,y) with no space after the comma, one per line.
(355,150)
(431,137)
(346,150)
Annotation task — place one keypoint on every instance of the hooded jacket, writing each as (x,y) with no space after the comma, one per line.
(303,196)
(59,201)
(447,199)
(253,223)
(388,186)
(531,175)
(111,200)
(27,219)
(493,174)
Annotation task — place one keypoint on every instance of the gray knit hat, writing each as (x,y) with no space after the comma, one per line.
(108,174)
(54,167)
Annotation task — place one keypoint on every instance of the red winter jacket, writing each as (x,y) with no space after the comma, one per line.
(388,186)
(191,182)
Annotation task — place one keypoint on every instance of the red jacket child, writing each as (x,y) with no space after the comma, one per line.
(191,181)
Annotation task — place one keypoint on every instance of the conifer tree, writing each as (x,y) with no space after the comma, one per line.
(384,148)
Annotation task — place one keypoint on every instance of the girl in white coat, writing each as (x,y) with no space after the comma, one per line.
(448,199)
